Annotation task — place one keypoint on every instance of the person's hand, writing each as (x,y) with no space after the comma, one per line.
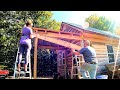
(73,50)
(37,35)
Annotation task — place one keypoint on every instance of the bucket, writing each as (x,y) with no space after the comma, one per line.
(102,77)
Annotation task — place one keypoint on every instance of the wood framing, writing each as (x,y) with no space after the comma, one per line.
(60,42)
(56,34)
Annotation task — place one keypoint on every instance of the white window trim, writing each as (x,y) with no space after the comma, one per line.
(110,53)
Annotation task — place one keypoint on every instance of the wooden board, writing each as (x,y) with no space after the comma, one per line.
(102,59)
(102,63)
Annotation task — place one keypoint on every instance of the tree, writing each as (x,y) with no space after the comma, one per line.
(100,22)
(117,30)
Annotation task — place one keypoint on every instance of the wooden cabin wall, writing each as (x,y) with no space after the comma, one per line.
(102,56)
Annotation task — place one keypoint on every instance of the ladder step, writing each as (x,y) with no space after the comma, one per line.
(75,74)
(22,72)
(24,77)
(21,62)
(23,67)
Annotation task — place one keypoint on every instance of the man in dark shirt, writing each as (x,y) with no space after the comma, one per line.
(89,55)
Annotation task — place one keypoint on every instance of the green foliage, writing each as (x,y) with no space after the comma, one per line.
(11,24)
(101,22)
(2,67)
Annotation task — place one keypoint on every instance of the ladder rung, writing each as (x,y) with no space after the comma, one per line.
(21,62)
(22,72)
(75,74)
(24,77)
(23,67)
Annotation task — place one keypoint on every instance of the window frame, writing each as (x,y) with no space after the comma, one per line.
(110,53)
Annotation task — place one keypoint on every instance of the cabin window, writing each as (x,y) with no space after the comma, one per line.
(110,53)
(61,58)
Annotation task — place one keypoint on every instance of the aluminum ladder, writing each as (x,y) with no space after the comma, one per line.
(77,61)
(22,74)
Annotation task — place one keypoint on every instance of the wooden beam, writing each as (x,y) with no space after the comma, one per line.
(50,47)
(106,41)
(65,66)
(96,36)
(61,35)
(35,57)
(60,42)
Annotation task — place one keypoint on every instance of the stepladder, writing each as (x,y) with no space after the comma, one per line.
(22,74)
(77,62)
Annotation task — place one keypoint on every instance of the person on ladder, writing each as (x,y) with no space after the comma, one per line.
(25,43)
(90,64)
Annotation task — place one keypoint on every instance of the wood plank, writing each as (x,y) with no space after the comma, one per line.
(98,53)
(58,35)
(101,53)
(96,40)
(99,46)
(115,50)
(94,35)
(101,50)
(102,59)
(102,63)
(100,41)
(51,47)
(98,36)
(42,30)
(102,56)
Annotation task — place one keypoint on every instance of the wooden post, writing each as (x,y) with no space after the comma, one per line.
(65,65)
(35,57)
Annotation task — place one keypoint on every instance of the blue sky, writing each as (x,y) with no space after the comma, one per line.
(78,17)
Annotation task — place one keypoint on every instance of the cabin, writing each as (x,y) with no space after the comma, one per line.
(71,36)
(105,44)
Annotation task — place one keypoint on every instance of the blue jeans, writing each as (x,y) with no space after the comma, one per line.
(23,49)
(91,73)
